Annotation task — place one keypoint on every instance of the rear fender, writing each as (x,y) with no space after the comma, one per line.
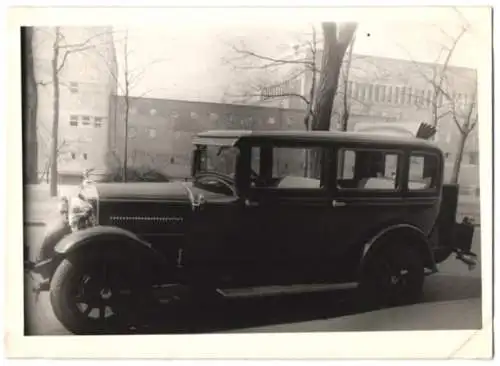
(408,233)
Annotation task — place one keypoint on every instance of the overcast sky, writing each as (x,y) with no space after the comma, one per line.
(188,60)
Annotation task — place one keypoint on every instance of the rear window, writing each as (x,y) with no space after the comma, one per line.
(367,169)
(423,171)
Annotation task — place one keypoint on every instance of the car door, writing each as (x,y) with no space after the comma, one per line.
(285,221)
(367,195)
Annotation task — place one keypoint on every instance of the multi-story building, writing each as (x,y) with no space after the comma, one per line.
(160,131)
(390,90)
(394,96)
(87,81)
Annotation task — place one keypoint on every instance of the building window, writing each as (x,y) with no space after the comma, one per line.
(409,96)
(151,132)
(369,92)
(85,120)
(73,87)
(73,120)
(403,95)
(84,156)
(389,94)
(361,92)
(98,121)
(382,93)
(396,95)
(376,93)
(73,156)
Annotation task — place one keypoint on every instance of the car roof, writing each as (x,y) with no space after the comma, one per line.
(234,137)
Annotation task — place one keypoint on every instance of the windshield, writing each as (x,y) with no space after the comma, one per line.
(217,159)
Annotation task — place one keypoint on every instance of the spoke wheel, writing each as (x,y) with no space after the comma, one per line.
(393,276)
(98,297)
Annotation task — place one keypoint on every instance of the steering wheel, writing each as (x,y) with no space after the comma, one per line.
(220,180)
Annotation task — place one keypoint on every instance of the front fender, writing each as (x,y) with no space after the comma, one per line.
(410,233)
(104,235)
(55,231)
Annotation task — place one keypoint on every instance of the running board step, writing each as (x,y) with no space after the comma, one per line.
(284,290)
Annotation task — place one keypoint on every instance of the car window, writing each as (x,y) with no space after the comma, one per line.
(367,169)
(291,168)
(423,171)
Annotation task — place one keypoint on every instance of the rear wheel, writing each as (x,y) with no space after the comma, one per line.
(99,294)
(393,276)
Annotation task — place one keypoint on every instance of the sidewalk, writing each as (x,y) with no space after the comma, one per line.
(445,315)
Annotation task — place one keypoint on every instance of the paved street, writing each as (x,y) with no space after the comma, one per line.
(454,282)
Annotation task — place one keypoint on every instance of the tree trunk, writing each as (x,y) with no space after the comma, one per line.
(458,159)
(55,119)
(333,53)
(127,106)
(347,107)
(29,105)
(125,157)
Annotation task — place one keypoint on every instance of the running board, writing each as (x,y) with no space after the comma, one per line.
(284,290)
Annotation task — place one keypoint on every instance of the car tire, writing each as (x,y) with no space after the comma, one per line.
(393,276)
(74,310)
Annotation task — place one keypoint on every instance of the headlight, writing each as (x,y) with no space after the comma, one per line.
(80,214)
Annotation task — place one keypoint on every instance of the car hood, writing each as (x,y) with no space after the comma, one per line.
(143,191)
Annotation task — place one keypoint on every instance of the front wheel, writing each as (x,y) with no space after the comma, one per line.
(393,276)
(98,295)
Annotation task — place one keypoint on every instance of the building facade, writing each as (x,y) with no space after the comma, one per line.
(383,90)
(388,95)
(160,131)
(87,81)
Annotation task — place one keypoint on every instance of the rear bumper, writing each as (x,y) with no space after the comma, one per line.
(462,239)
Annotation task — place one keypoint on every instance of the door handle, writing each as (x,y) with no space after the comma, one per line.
(336,203)
(249,203)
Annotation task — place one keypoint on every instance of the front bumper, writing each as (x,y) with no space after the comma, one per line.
(41,274)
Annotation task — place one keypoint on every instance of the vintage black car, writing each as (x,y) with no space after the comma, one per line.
(264,212)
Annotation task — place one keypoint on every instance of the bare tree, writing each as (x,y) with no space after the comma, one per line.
(464,116)
(444,101)
(30,106)
(302,59)
(125,83)
(345,93)
(61,50)
(336,40)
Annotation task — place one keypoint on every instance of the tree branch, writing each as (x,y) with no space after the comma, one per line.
(86,42)
(271,59)
(68,52)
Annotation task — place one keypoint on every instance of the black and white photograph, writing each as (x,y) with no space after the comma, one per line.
(245,175)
